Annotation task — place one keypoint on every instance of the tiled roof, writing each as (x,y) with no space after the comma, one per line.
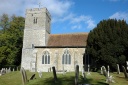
(76,39)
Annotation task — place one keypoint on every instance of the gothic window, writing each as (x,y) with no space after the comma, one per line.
(46,58)
(66,57)
(35,20)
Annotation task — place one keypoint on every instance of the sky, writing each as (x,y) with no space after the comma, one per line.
(71,16)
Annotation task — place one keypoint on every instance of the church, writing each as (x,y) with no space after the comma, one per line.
(43,50)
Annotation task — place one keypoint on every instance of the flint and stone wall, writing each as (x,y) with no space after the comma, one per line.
(36,32)
(56,59)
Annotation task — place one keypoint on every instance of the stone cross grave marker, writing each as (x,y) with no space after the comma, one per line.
(76,74)
(118,69)
(125,73)
(24,76)
(54,74)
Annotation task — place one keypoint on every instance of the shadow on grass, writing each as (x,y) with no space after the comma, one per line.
(60,81)
(70,81)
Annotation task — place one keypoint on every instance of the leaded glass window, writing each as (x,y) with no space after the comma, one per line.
(46,58)
(66,57)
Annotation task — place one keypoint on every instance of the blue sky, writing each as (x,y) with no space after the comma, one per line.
(71,16)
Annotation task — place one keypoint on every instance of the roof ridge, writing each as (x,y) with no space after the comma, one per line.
(70,34)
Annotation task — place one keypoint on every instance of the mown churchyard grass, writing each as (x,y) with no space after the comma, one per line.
(14,78)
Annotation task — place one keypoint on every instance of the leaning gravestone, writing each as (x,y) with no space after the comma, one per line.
(54,74)
(32,77)
(118,69)
(76,74)
(24,76)
(125,73)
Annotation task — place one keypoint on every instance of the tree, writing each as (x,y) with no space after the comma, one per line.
(4,21)
(107,44)
(11,41)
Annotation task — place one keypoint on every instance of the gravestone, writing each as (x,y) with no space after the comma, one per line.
(13,70)
(101,71)
(88,70)
(125,73)
(40,74)
(32,77)
(17,69)
(3,71)
(118,69)
(127,64)
(76,74)
(104,71)
(83,73)
(6,70)
(24,76)
(0,73)
(9,70)
(54,74)
(108,72)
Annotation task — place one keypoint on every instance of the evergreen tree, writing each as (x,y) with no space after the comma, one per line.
(107,44)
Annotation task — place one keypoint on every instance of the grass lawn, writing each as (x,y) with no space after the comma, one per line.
(14,78)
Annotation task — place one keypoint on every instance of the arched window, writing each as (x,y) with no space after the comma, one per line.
(35,20)
(46,58)
(66,57)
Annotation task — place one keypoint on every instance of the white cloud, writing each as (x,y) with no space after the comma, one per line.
(79,20)
(76,27)
(18,7)
(120,15)
(59,9)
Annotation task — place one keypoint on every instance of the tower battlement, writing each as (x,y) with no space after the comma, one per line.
(38,10)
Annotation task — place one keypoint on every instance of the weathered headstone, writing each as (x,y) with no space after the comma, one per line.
(3,71)
(125,73)
(40,74)
(6,70)
(101,70)
(17,69)
(13,70)
(104,71)
(9,70)
(76,74)
(127,64)
(88,70)
(83,73)
(0,73)
(54,74)
(24,76)
(32,77)
(108,71)
(118,69)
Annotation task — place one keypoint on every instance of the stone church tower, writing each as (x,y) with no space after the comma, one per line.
(36,33)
